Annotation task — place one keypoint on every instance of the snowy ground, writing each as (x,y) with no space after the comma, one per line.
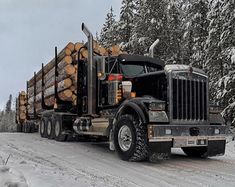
(38,162)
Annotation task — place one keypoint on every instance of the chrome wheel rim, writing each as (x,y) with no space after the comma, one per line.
(124,138)
(57,128)
(49,128)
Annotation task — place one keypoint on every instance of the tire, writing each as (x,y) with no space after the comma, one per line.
(58,131)
(19,128)
(43,128)
(32,127)
(50,129)
(136,131)
(198,152)
(27,127)
(23,127)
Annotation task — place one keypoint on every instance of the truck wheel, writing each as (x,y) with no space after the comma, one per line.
(49,129)
(43,128)
(59,136)
(130,139)
(199,152)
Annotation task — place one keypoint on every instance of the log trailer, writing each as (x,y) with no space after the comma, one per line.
(140,105)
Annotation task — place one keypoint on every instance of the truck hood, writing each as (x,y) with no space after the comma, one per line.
(181,67)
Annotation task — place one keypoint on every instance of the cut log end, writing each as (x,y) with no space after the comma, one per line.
(70,46)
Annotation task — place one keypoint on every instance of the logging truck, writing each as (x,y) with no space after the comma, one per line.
(142,106)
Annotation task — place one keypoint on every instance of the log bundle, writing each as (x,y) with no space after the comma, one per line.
(21,107)
(66,79)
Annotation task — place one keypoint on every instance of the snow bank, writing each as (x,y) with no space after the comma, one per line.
(11,178)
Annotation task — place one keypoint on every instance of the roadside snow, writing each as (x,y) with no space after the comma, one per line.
(37,162)
(11,178)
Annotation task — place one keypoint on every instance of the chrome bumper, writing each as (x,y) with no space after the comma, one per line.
(187,141)
(180,135)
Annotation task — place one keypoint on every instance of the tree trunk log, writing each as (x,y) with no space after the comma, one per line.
(66,95)
(22,108)
(63,63)
(22,102)
(22,116)
(61,86)
(67,51)
(63,74)
(78,45)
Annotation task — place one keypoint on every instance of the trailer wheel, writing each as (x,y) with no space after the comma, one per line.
(49,129)
(27,127)
(130,139)
(58,131)
(23,127)
(199,152)
(32,127)
(43,128)
(19,128)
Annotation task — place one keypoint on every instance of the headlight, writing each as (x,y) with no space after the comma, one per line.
(156,106)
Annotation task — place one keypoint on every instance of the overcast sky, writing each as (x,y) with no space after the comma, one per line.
(30,29)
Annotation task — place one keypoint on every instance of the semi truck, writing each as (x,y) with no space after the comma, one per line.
(140,105)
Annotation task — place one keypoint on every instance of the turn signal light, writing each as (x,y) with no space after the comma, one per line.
(115,77)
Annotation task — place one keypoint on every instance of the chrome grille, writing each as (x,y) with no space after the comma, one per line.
(189,97)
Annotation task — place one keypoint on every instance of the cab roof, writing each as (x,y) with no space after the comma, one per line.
(139,58)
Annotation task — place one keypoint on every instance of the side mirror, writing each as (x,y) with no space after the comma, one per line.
(101,68)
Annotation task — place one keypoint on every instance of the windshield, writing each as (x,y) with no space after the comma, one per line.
(132,69)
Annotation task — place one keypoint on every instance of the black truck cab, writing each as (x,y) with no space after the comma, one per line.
(163,106)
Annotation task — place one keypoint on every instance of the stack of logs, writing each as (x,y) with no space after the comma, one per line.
(21,107)
(66,79)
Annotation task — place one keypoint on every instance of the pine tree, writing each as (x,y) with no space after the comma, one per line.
(175,30)
(196,32)
(126,23)
(227,37)
(225,92)
(109,31)
(8,104)
(150,24)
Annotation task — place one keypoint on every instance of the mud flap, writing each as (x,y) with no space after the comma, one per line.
(159,150)
(216,148)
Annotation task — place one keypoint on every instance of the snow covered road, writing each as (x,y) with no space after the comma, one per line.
(38,162)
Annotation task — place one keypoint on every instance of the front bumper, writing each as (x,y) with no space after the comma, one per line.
(186,135)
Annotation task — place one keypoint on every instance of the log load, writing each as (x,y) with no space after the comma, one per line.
(21,107)
(66,79)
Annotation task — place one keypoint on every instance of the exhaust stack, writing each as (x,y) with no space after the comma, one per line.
(91,72)
(152,47)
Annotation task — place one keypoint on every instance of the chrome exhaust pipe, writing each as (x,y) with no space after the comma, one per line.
(152,47)
(91,72)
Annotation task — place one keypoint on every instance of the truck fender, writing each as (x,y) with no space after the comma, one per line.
(129,108)
(126,108)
